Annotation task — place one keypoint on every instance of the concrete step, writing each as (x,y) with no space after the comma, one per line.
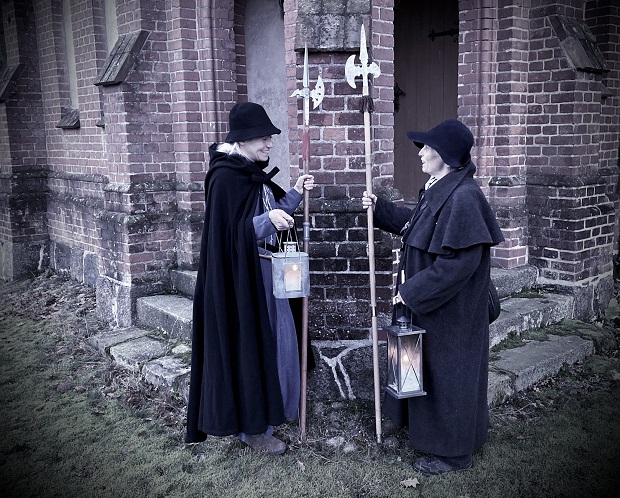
(170,313)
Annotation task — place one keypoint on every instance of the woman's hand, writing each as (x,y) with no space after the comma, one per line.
(281,219)
(369,200)
(304,182)
(397,299)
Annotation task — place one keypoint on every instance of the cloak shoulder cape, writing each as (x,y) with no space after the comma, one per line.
(458,216)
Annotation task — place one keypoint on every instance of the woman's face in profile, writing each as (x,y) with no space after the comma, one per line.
(432,163)
(257,149)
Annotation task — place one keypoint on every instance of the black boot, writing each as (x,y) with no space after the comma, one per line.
(431,465)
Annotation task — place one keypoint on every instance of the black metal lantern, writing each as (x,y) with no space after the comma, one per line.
(404,357)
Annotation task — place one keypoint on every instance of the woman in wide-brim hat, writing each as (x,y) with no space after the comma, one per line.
(443,283)
(245,363)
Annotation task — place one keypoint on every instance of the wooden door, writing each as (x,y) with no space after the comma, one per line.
(425,71)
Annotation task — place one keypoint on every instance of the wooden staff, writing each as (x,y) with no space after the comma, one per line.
(352,71)
(317,97)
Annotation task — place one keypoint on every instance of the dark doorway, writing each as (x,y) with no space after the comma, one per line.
(426,72)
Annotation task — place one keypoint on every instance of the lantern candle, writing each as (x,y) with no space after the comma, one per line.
(292,278)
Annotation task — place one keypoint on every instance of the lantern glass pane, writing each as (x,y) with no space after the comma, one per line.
(291,274)
(392,369)
(410,367)
(404,361)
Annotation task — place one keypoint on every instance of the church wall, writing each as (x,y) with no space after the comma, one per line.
(604,20)
(570,192)
(23,155)
(546,140)
(118,202)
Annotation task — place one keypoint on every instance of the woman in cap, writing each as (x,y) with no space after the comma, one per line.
(443,280)
(245,376)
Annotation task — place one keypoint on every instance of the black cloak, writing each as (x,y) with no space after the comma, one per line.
(446,261)
(234,378)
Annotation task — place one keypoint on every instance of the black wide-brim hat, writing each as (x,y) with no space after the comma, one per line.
(248,120)
(451,139)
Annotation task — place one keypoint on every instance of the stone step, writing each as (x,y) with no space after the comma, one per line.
(345,371)
(344,368)
(338,358)
(164,364)
(520,368)
(183,282)
(508,282)
(525,313)
(514,280)
(170,313)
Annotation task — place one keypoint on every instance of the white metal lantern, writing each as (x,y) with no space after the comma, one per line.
(291,273)
(404,356)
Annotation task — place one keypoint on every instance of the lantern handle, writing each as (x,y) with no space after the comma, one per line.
(401,311)
(291,236)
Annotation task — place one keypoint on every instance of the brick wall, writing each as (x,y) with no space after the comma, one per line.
(23,162)
(339,306)
(127,198)
(187,128)
(137,223)
(603,18)
(75,157)
(546,139)
(571,213)
(493,50)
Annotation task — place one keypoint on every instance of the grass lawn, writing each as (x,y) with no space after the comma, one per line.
(74,425)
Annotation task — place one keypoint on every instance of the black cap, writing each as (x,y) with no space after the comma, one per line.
(451,139)
(248,120)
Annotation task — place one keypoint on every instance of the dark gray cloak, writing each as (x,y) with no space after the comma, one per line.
(446,261)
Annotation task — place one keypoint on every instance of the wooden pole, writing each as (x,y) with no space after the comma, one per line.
(373,288)
(304,315)
(317,96)
(352,71)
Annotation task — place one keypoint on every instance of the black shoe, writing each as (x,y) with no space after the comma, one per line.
(431,465)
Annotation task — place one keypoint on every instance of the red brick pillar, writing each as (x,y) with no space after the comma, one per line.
(603,18)
(570,196)
(492,64)
(137,223)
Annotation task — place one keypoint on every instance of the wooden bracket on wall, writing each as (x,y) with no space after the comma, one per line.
(8,80)
(121,58)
